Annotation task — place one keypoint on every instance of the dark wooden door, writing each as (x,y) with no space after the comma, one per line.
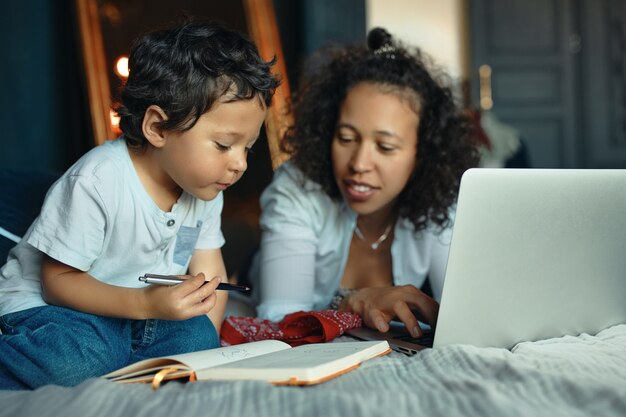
(558,73)
(603,82)
(525,44)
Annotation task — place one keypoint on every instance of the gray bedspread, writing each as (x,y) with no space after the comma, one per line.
(568,376)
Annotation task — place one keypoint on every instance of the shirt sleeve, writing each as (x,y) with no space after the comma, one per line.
(72,224)
(289,241)
(211,236)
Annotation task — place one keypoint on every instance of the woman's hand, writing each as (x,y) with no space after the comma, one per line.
(191,298)
(378,306)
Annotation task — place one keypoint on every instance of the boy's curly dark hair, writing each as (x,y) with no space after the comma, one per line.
(445,147)
(184,70)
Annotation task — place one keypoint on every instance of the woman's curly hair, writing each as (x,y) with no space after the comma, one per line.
(445,149)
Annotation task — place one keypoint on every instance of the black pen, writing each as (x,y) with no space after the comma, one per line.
(174,280)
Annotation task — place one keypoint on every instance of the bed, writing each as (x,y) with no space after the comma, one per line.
(567,376)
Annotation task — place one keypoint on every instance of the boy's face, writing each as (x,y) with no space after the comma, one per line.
(211,156)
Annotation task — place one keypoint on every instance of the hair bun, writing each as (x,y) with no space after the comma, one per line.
(378,38)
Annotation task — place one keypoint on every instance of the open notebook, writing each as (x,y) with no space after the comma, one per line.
(268,360)
(535,254)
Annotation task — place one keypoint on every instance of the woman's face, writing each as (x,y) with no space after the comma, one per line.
(374,148)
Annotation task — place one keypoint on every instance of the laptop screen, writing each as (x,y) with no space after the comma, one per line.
(535,254)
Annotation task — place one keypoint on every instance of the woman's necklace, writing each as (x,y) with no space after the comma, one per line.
(380,240)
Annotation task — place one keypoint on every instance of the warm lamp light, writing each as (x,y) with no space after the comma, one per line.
(121,66)
(115,122)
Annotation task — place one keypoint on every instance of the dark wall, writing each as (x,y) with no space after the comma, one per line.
(306,25)
(41,105)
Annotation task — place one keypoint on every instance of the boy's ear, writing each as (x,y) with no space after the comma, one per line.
(151,126)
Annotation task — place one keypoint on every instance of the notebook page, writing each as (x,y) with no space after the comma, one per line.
(205,358)
(302,363)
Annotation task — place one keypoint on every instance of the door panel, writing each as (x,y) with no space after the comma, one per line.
(521,26)
(604,82)
(525,42)
(543,83)
(558,75)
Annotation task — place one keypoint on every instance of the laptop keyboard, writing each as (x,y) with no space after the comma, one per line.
(425,340)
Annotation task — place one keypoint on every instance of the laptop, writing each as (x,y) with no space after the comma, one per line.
(535,254)
(398,337)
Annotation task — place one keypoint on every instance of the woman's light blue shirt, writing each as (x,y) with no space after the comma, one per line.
(305,245)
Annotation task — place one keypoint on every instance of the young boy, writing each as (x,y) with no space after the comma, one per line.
(71,304)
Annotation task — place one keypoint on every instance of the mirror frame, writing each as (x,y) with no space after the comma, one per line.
(263,29)
(96,79)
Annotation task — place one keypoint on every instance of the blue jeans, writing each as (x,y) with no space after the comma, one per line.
(56,345)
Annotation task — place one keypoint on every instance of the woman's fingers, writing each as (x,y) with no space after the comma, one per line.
(378,306)
(405,315)
(376,319)
(426,308)
(419,304)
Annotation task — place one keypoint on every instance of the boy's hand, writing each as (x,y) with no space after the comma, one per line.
(193,297)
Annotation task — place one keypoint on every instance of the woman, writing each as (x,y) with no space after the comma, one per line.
(360,217)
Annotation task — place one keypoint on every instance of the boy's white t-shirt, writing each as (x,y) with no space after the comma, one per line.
(99,218)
